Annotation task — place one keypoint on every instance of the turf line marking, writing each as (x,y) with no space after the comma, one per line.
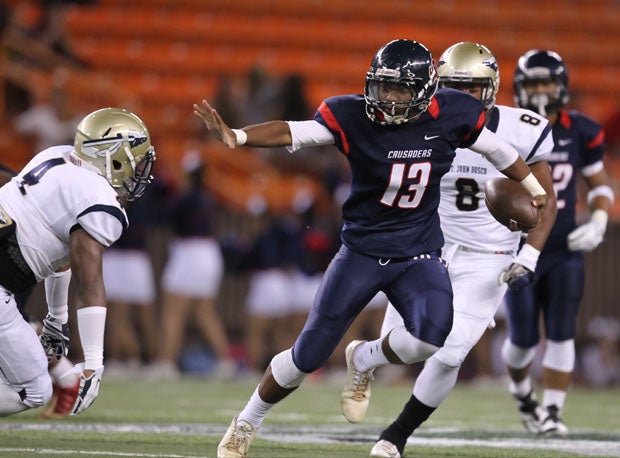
(47,452)
(326,434)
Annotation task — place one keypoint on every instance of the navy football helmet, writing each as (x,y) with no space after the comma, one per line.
(541,66)
(406,63)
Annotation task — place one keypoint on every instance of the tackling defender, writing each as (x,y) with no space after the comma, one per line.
(399,138)
(478,249)
(63,209)
(541,85)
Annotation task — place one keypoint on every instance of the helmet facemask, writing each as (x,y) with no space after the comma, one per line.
(542,103)
(136,185)
(387,112)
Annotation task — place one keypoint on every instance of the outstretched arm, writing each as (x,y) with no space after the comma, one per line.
(269,134)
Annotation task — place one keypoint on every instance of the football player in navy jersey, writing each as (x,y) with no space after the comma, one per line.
(478,248)
(541,85)
(399,138)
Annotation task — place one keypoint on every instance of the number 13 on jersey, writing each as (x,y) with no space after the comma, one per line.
(407,195)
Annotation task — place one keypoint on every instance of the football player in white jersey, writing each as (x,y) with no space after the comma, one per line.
(478,249)
(63,209)
(66,381)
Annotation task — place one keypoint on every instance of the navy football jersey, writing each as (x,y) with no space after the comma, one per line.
(579,142)
(396,170)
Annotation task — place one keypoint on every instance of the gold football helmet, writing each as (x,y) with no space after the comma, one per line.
(470,64)
(115,143)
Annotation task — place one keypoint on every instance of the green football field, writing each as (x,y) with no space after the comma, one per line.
(187,418)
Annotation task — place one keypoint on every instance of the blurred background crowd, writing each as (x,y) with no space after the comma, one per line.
(224,254)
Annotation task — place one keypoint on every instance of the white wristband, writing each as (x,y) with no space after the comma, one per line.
(602,190)
(91,325)
(528,256)
(242,137)
(533,186)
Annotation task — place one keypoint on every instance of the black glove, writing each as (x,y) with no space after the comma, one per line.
(517,276)
(54,338)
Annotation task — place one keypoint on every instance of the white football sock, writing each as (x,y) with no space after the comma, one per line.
(369,355)
(521,388)
(255,410)
(554,397)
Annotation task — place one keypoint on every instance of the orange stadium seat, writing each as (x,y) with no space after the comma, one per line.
(169,54)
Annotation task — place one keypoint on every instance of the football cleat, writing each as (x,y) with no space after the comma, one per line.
(356,393)
(62,401)
(237,440)
(531,412)
(384,449)
(552,424)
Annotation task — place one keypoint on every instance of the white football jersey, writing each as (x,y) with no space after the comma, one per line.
(465,219)
(49,198)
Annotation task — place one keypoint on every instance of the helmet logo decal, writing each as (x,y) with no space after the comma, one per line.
(134,139)
(491,63)
(90,146)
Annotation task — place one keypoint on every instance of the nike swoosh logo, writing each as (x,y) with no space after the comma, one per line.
(565,142)
(430,137)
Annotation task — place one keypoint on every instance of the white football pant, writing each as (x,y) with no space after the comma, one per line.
(23,364)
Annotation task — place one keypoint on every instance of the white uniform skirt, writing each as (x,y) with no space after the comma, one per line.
(128,276)
(195,268)
(270,293)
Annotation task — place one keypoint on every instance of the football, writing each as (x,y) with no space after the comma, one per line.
(510,204)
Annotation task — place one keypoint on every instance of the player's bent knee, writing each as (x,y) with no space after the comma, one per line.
(450,358)
(409,348)
(517,357)
(37,392)
(559,356)
(284,370)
